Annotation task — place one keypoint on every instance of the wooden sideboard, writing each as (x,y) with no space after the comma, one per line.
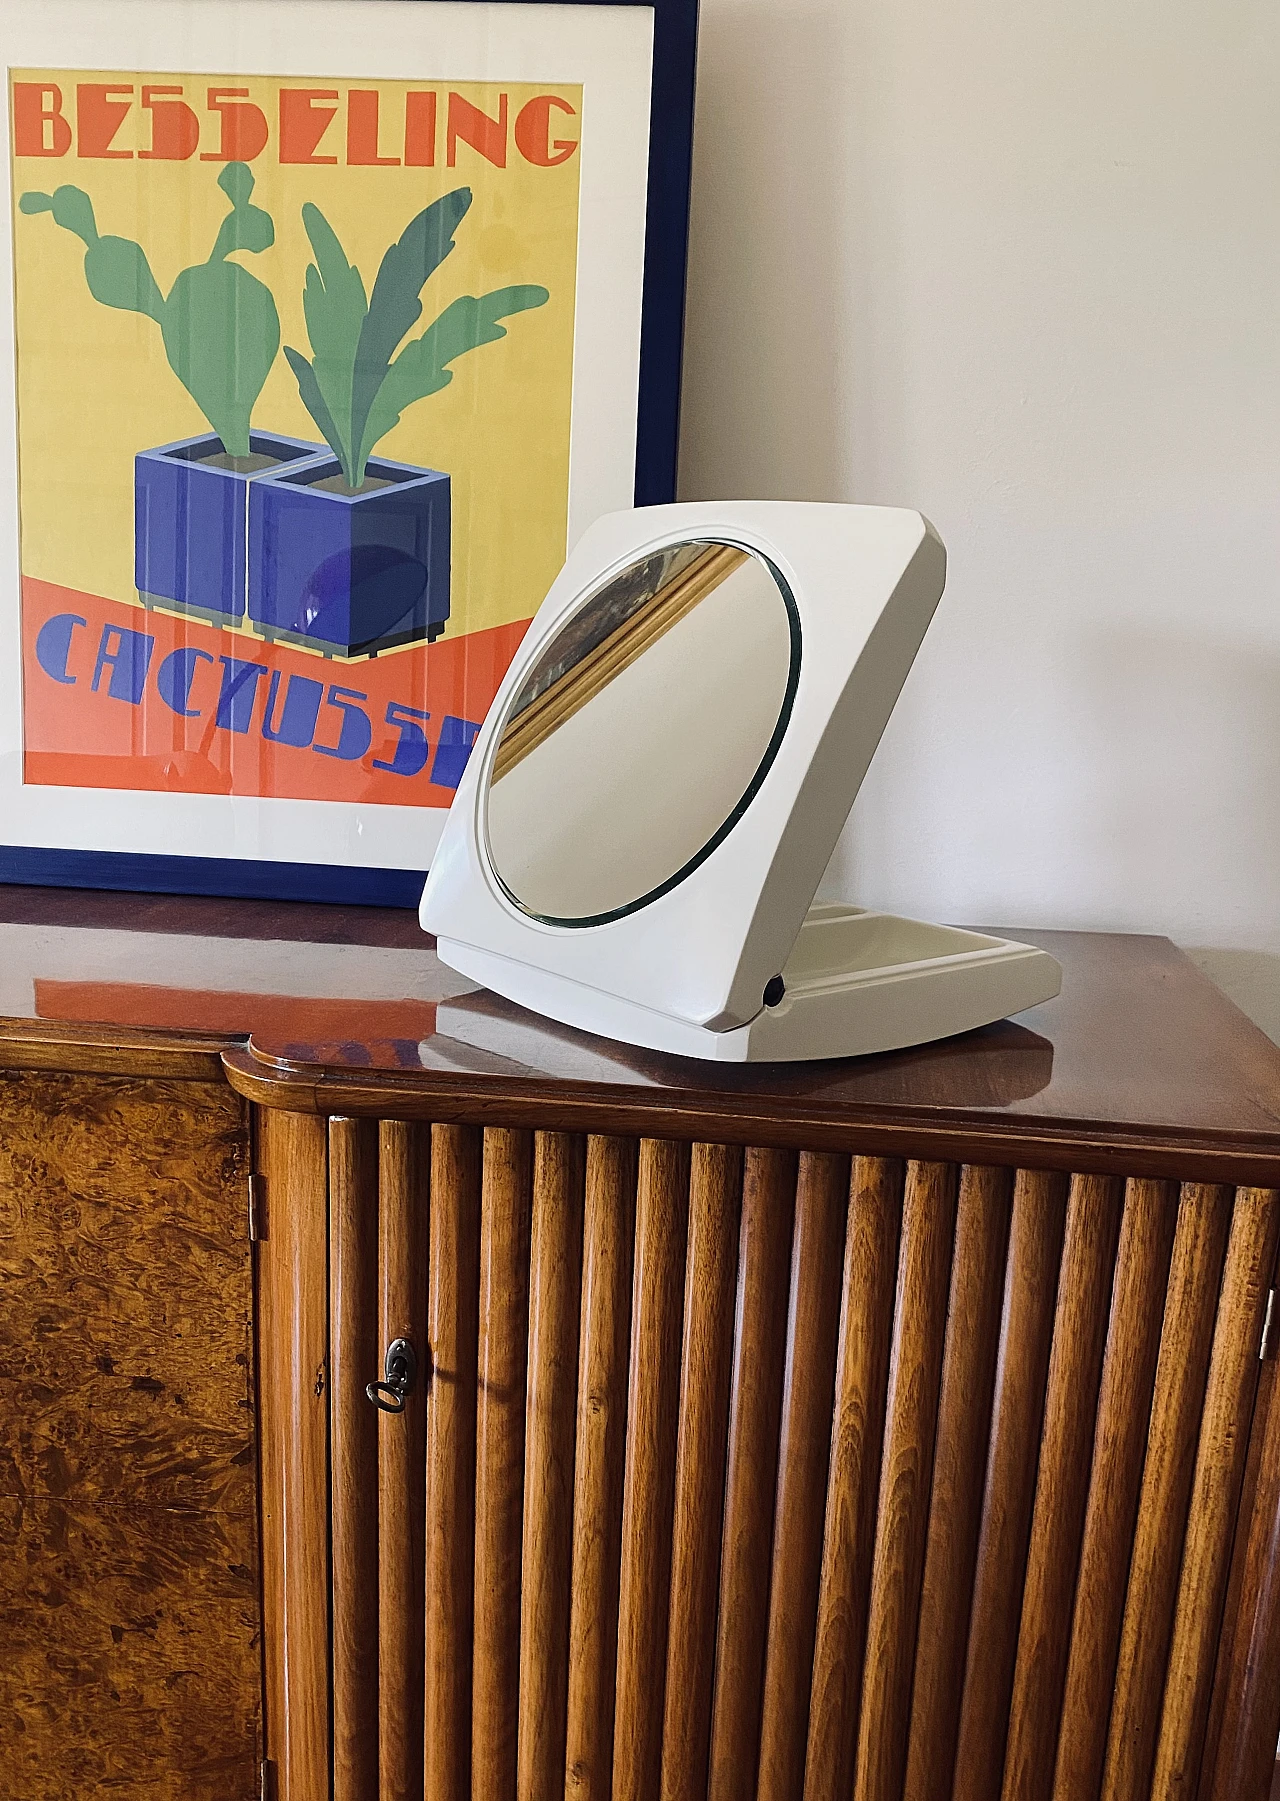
(900,1428)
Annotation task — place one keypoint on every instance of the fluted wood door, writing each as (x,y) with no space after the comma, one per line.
(745,1473)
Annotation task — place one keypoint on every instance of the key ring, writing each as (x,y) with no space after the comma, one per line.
(399,1373)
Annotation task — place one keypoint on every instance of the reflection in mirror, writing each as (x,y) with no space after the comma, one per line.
(642,731)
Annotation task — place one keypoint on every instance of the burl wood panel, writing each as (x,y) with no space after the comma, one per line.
(796,1478)
(129,1612)
(129,1662)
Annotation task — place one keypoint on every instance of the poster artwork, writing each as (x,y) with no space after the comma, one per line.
(294,375)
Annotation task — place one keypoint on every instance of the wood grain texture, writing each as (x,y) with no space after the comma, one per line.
(125,1328)
(599,1463)
(1139,1067)
(715,1210)
(862,1374)
(1139,1062)
(1236,1609)
(1139,1070)
(453,1329)
(1215,1492)
(555,1279)
(906,1472)
(1243,1759)
(755,1412)
(505,1210)
(65,1046)
(1031,1282)
(1094,1209)
(130,1657)
(1148,1412)
(155,1429)
(959,1465)
(353,1454)
(404,1190)
(129,1626)
(1206,1096)
(804,1450)
(953,1131)
(662,1209)
(293,1385)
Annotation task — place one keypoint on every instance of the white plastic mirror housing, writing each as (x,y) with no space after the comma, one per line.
(688,970)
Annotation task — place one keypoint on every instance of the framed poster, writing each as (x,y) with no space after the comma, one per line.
(334,324)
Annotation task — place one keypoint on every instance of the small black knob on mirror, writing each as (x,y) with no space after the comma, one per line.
(774,989)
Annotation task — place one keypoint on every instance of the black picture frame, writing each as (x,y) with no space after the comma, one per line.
(675,39)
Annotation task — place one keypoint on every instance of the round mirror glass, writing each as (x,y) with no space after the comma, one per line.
(642,731)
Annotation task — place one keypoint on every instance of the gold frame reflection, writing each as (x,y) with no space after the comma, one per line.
(606,661)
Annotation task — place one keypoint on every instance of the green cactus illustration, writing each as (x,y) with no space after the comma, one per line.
(220,326)
(355,386)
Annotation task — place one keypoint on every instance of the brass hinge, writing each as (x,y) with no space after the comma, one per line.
(257,1209)
(1268,1346)
(268,1780)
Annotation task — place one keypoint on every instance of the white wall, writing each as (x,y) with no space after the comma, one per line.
(1018,264)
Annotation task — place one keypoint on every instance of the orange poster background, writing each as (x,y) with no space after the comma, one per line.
(80,737)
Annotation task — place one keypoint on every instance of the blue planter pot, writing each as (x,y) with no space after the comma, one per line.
(190,520)
(349,574)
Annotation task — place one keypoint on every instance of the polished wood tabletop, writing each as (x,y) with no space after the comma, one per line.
(331,1008)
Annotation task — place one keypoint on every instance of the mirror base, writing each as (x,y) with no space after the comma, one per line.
(855,983)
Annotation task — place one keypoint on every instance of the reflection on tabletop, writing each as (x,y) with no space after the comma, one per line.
(484,1034)
(358,1006)
(296,994)
(334,990)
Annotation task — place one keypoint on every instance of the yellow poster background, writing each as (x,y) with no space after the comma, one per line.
(94,385)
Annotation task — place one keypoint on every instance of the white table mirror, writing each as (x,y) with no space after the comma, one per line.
(652,801)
